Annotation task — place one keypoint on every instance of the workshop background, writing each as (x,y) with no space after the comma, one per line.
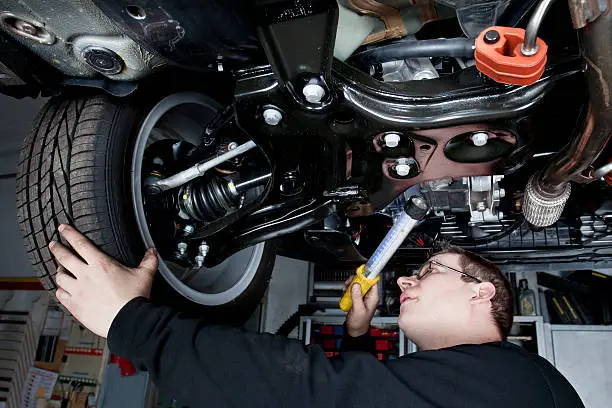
(46,357)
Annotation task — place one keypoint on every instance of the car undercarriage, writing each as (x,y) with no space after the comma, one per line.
(232,131)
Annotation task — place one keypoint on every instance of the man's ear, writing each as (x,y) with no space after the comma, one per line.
(483,292)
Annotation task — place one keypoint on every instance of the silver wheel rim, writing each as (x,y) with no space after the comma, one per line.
(210,286)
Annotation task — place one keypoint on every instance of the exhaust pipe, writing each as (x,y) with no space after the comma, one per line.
(547,191)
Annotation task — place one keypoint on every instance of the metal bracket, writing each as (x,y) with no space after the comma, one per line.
(298,39)
(286,220)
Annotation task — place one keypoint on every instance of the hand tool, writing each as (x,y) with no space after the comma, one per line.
(369,274)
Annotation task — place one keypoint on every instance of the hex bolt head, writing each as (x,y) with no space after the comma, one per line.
(182,247)
(313,93)
(392,139)
(188,229)
(199,260)
(480,138)
(491,37)
(203,249)
(272,116)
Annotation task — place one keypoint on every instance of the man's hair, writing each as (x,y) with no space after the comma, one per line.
(501,304)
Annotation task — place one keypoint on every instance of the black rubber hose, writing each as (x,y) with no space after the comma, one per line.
(449,47)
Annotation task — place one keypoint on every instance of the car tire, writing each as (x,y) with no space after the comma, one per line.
(74,168)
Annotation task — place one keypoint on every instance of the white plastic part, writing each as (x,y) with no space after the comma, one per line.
(402,170)
(392,139)
(313,93)
(272,116)
(480,138)
(394,238)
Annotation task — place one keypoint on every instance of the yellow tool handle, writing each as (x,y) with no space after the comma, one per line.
(346,302)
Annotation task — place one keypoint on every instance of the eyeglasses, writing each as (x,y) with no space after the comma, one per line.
(426,271)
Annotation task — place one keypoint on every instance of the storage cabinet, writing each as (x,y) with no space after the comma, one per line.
(582,354)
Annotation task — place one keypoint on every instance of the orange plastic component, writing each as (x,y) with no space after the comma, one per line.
(504,62)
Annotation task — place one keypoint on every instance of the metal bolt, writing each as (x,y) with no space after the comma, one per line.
(199,260)
(480,138)
(481,206)
(313,93)
(182,248)
(188,229)
(272,116)
(203,248)
(491,37)
(219,64)
(231,146)
(392,139)
(27,28)
(402,168)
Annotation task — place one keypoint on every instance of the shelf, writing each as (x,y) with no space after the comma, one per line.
(580,327)
(528,319)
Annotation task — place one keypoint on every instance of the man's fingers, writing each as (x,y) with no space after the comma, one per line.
(66,258)
(81,245)
(149,261)
(65,281)
(348,282)
(64,298)
(371,298)
(358,305)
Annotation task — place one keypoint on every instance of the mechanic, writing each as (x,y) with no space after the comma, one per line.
(457,309)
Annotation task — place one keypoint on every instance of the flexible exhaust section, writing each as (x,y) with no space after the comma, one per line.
(547,191)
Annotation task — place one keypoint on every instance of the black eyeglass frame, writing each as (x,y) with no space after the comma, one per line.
(423,273)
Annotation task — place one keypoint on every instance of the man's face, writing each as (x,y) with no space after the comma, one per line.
(438,302)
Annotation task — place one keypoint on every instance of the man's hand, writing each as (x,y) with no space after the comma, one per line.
(99,286)
(359,317)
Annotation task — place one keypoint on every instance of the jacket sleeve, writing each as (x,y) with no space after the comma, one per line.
(220,366)
(365,343)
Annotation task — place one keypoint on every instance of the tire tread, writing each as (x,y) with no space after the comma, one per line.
(50,186)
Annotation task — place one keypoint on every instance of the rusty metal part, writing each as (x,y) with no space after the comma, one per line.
(427,10)
(597,127)
(584,12)
(394,25)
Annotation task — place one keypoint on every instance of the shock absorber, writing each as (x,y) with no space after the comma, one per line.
(207,199)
